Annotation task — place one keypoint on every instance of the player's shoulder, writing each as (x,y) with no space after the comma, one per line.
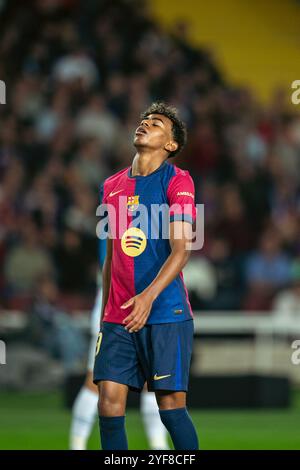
(111,181)
(179,175)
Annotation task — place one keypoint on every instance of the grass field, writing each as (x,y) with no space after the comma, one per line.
(39,421)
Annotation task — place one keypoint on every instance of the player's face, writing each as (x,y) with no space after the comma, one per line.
(155,132)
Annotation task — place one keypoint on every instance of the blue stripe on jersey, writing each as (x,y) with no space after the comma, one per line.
(171,305)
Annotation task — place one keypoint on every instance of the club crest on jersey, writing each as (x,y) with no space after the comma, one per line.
(133,203)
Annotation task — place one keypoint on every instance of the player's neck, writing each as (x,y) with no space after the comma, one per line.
(145,163)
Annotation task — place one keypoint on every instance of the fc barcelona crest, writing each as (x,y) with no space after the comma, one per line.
(133,203)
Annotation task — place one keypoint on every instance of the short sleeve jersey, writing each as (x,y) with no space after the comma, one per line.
(140,209)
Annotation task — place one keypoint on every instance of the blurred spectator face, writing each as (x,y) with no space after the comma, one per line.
(30,234)
(270,243)
(96,103)
(61,100)
(8,132)
(85,201)
(71,240)
(47,289)
(289,228)
(219,249)
(296,287)
(294,131)
(90,149)
(116,85)
(13,179)
(232,204)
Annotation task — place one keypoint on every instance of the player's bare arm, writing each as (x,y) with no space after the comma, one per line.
(142,303)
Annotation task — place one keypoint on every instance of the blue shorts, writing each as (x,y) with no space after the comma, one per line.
(157,354)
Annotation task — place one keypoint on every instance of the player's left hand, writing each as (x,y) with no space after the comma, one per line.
(142,304)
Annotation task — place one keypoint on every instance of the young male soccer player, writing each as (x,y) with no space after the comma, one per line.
(147,327)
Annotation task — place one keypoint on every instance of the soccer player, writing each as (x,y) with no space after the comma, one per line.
(146,330)
(85,406)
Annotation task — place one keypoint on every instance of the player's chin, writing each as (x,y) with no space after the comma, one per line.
(140,139)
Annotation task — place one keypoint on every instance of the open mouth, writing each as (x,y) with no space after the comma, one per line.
(140,131)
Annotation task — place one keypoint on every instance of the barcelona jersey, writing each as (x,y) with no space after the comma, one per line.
(140,245)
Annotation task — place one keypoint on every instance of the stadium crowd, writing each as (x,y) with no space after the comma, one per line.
(77,80)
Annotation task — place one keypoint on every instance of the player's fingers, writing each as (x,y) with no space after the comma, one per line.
(136,328)
(127,319)
(132,315)
(138,323)
(128,303)
(133,324)
(133,321)
(136,320)
(128,326)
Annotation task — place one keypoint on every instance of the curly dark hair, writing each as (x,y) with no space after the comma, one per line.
(178,126)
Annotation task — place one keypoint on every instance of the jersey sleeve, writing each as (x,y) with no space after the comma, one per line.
(181,198)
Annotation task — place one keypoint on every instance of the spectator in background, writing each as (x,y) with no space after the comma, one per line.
(52,329)
(72,260)
(233,223)
(201,281)
(267,270)
(229,278)
(81,213)
(26,260)
(88,163)
(204,147)
(286,305)
(95,121)
(76,66)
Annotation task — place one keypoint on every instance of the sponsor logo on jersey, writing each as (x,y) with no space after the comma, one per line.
(186,193)
(133,242)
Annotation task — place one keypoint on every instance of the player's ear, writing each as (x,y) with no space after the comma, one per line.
(171,146)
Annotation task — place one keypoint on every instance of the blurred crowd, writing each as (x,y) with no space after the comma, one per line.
(78,74)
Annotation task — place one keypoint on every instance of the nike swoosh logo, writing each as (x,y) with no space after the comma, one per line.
(114,193)
(159,377)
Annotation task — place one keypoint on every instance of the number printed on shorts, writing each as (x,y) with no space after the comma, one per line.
(98,343)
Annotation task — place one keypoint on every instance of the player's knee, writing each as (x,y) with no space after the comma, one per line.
(171,401)
(109,407)
(110,404)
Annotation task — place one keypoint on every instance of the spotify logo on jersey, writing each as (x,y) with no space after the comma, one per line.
(134,242)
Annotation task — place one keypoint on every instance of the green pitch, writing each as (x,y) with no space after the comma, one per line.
(39,421)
